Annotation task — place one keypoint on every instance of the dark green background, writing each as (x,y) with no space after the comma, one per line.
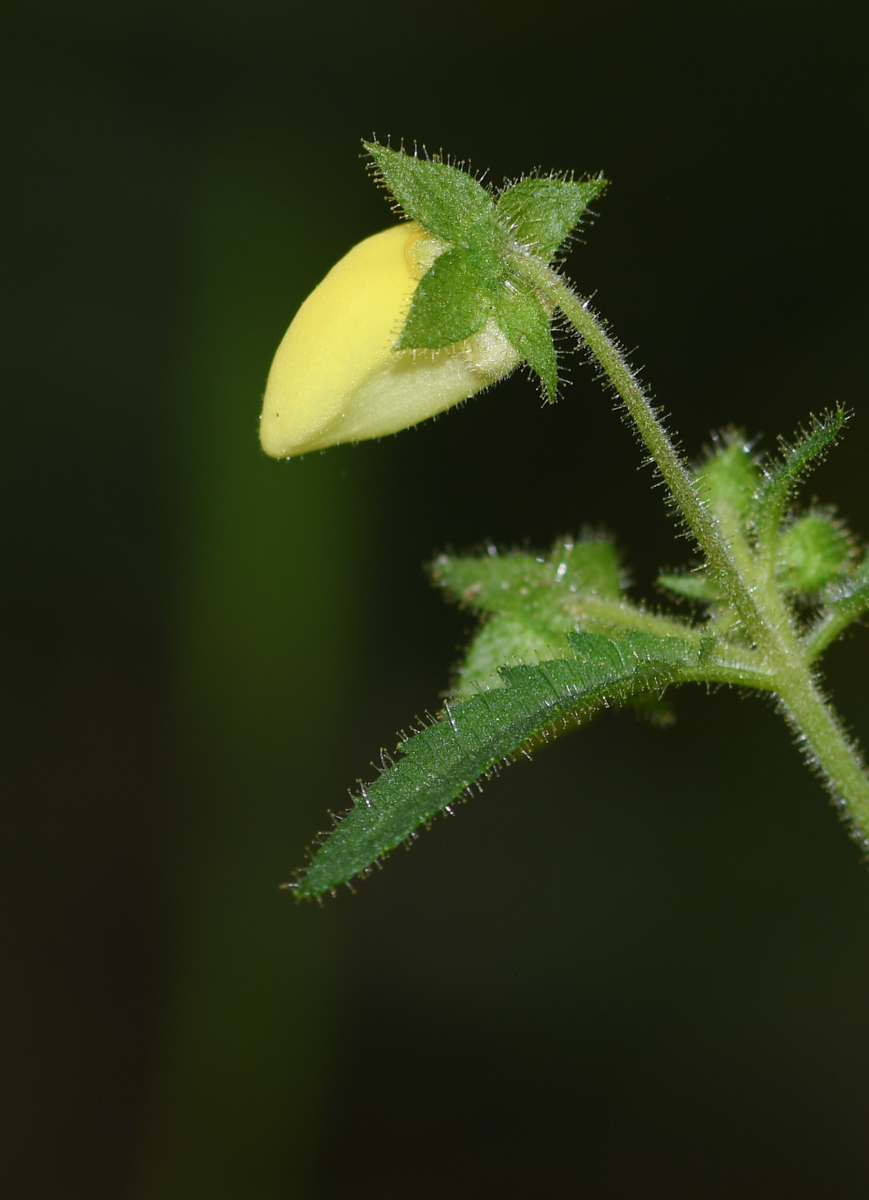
(638,967)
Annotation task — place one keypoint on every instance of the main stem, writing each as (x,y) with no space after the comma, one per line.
(763,615)
(827,749)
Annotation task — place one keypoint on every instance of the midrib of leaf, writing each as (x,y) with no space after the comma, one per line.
(471,738)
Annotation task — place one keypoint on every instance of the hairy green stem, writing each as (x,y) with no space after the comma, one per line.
(834,623)
(731,663)
(827,749)
(701,521)
(594,611)
(745,584)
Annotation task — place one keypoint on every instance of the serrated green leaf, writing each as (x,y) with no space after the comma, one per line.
(448,305)
(522,318)
(471,738)
(446,201)
(540,213)
(509,637)
(633,646)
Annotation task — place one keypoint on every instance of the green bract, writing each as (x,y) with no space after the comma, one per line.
(492,240)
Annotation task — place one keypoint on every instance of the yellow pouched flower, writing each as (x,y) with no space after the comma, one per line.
(337,375)
(428,313)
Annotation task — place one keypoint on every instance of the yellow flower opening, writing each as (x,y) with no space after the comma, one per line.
(337,377)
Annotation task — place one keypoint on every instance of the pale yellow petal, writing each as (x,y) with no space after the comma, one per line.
(336,376)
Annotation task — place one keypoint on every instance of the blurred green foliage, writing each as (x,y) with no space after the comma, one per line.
(264,639)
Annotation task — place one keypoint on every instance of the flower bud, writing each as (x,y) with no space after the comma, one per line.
(729,476)
(812,553)
(337,377)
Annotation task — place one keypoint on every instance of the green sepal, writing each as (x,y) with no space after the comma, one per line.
(471,739)
(481,273)
(527,326)
(447,201)
(448,305)
(540,213)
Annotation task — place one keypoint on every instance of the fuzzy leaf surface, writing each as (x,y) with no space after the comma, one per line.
(447,201)
(448,306)
(528,602)
(527,326)
(729,477)
(845,602)
(784,475)
(538,584)
(471,738)
(812,552)
(542,212)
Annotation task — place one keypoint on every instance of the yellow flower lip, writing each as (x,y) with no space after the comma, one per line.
(336,376)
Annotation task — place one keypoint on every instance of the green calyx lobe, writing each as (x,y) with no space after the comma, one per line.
(490,235)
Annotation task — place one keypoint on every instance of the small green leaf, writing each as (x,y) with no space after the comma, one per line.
(729,477)
(522,318)
(448,305)
(529,601)
(446,201)
(540,213)
(540,586)
(811,553)
(470,739)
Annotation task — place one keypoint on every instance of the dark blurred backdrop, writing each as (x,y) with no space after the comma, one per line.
(638,967)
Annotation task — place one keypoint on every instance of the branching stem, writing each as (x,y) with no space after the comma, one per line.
(746,584)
